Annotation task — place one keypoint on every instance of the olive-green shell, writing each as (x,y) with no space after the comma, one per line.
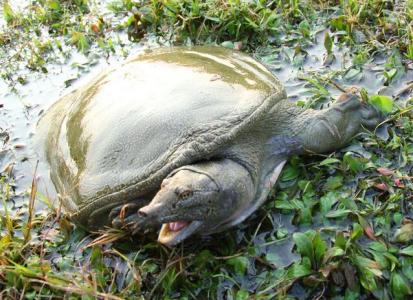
(116,138)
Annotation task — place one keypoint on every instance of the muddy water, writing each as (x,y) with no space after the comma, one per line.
(19,112)
(294,73)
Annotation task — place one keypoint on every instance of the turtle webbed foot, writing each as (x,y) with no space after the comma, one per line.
(370,116)
(350,106)
(332,128)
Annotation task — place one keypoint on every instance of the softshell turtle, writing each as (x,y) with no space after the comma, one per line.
(187,139)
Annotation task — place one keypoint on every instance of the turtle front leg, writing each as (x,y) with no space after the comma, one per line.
(124,216)
(332,128)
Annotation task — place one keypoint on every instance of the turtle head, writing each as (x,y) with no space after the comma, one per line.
(189,201)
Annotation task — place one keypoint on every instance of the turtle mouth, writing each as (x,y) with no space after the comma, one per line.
(175,232)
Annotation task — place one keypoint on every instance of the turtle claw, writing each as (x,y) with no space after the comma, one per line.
(133,223)
(347,102)
(126,217)
(370,116)
(350,103)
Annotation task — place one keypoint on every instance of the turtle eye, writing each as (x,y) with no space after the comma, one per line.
(185,195)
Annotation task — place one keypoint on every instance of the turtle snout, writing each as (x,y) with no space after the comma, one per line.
(142,213)
(149,211)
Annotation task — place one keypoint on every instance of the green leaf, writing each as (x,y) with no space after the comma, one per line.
(80,40)
(368,265)
(289,173)
(54,5)
(320,248)
(228,44)
(333,183)
(329,161)
(339,213)
(399,286)
(380,259)
(339,23)
(357,231)
(242,295)
(282,204)
(203,258)
(328,43)
(383,103)
(239,263)
(354,163)
(327,202)
(298,270)
(340,240)
(304,245)
(333,252)
(304,27)
(353,74)
(378,246)
(407,251)
(368,280)
(404,234)
(8,13)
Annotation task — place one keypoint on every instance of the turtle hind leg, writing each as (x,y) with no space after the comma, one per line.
(332,128)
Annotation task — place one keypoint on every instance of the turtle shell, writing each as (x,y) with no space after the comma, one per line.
(115,139)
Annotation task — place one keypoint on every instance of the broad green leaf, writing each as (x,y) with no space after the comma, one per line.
(339,213)
(353,74)
(357,231)
(383,103)
(8,13)
(305,185)
(203,258)
(320,248)
(355,164)
(328,43)
(368,265)
(333,252)
(349,203)
(54,5)
(393,260)
(380,259)
(404,234)
(368,280)
(340,240)
(333,183)
(327,202)
(351,295)
(298,270)
(399,286)
(242,295)
(239,263)
(304,245)
(378,246)
(289,173)
(304,27)
(407,251)
(228,44)
(282,204)
(329,161)
(80,40)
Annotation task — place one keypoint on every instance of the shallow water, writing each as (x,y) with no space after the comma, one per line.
(20,111)
(370,76)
